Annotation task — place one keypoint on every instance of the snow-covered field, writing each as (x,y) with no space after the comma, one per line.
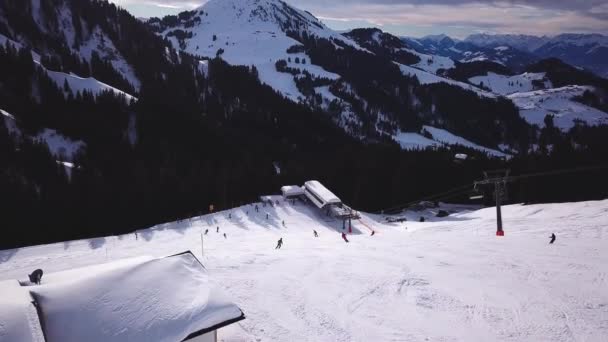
(446,279)
(535,105)
(440,137)
(505,85)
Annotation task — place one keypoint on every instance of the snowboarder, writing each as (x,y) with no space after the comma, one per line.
(279,243)
(315,232)
(36,276)
(225,237)
(344,238)
(206,231)
(217,230)
(373,232)
(552,238)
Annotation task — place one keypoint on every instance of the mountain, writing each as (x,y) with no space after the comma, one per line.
(589,51)
(466,52)
(134,123)
(368,82)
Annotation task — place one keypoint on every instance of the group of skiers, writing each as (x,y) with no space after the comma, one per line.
(316,234)
(217,230)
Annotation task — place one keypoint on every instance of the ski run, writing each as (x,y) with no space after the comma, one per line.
(448,279)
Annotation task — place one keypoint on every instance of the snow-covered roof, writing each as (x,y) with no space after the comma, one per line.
(140,299)
(321,195)
(18,317)
(292,190)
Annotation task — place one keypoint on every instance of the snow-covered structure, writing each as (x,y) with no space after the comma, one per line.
(290,191)
(140,299)
(319,194)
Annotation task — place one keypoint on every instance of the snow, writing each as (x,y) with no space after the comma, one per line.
(321,191)
(18,317)
(250,32)
(10,123)
(445,137)
(428,78)
(59,145)
(80,84)
(292,190)
(138,299)
(414,141)
(432,63)
(99,42)
(440,138)
(505,85)
(447,279)
(535,105)
(501,48)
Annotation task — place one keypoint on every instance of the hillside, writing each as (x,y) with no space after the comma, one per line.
(449,279)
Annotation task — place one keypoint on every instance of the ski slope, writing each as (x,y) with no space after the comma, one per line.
(446,279)
(505,85)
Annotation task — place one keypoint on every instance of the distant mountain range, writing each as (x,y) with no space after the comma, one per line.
(589,51)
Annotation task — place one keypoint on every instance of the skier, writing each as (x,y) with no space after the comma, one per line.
(373,232)
(344,238)
(283,222)
(257,209)
(315,232)
(279,243)
(206,231)
(217,230)
(230,216)
(552,238)
(267,217)
(225,237)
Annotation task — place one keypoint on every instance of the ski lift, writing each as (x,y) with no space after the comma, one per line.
(476,194)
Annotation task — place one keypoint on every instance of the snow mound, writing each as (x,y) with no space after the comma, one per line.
(163,299)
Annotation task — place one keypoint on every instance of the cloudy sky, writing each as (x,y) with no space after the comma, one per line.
(457,18)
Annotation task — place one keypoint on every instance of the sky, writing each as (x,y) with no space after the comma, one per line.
(416,18)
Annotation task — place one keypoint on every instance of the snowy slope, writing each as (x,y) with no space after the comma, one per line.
(439,137)
(254,32)
(80,84)
(535,105)
(506,85)
(450,279)
(425,77)
(59,145)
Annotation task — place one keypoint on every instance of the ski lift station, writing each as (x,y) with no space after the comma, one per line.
(321,197)
(137,300)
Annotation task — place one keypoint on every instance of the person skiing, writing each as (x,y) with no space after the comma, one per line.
(206,231)
(344,238)
(283,222)
(315,232)
(257,209)
(225,237)
(267,217)
(279,243)
(217,230)
(373,232)
(552,238)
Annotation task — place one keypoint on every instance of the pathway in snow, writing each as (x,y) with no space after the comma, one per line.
(444,280)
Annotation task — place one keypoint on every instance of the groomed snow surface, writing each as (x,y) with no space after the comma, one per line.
(446,279)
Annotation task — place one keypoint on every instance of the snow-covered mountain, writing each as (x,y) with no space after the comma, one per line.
(466,52)
(589,51)
(305,61)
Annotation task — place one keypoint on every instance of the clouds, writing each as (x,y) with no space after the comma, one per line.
(455,17)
